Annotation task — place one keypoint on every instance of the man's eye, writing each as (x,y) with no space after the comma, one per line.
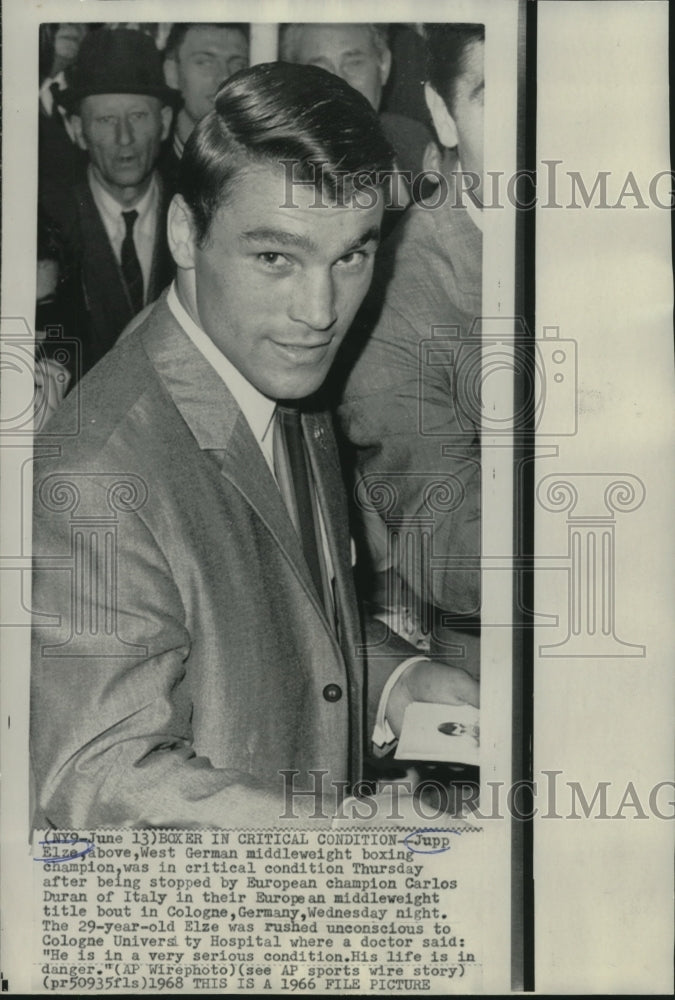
(273,260)
(354,260)
(106,119)
(138,116)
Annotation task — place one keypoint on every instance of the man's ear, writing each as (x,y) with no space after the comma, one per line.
(432,158)
(76,128)
(171,73)
(180,233)
(385,66)
(167,118)
(444,123)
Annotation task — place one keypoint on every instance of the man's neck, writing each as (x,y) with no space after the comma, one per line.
(460,194)
(184,125)
(186,295)
(126,197)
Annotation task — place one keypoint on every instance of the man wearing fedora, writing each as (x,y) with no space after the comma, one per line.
(197,643)
(114,218)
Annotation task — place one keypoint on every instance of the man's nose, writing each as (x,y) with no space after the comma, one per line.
(125,133)
(314,302)
(219,74)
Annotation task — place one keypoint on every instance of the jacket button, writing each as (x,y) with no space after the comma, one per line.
(332,692)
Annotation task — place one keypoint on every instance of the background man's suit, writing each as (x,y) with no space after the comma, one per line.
(108,308)
(210,579)
(411,415)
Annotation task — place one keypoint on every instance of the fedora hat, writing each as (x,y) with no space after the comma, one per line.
(116,61)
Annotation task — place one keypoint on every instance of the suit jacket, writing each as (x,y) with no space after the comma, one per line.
(108,308)
(61,163)
(410,407)
(180,656)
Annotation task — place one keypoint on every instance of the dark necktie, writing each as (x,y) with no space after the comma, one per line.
(292,471)
(131,266)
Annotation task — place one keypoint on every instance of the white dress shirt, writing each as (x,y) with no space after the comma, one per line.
(145,226)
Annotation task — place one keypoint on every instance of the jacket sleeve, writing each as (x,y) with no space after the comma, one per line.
(111,734)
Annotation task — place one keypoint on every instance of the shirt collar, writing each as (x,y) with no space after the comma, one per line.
(111,210)
(257,408)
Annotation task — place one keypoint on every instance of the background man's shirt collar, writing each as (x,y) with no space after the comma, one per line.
(111,209)
(145,226)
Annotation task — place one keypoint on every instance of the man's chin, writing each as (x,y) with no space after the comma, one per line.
(128,178)
(293,389)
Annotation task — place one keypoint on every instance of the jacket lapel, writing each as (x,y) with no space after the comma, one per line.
(162,268)
(218,425)
(323,455)
(113,310)
(330,489)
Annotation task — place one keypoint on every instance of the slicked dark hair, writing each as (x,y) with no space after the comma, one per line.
(281,113)
(180,29)
(447,45)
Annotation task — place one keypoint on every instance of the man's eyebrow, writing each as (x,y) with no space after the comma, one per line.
(371,234)
(279,236)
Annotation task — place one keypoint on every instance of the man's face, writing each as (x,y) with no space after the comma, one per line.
(67,42)
(122,134)
(467,109)
(276,289)
(205,59)
(347,50)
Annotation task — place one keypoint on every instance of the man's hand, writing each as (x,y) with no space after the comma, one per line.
(432,681)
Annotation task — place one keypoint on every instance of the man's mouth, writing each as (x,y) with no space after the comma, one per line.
(126,160)
(305,353)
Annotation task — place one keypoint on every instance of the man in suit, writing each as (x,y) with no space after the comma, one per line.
(411,406)
(59,158)
(113,219)
(198,59)
(196,641)
(360,55)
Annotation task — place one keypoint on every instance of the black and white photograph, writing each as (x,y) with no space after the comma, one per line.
(335,622)
(209,657)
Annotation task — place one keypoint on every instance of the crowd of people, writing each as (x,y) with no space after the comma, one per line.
(167,253)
